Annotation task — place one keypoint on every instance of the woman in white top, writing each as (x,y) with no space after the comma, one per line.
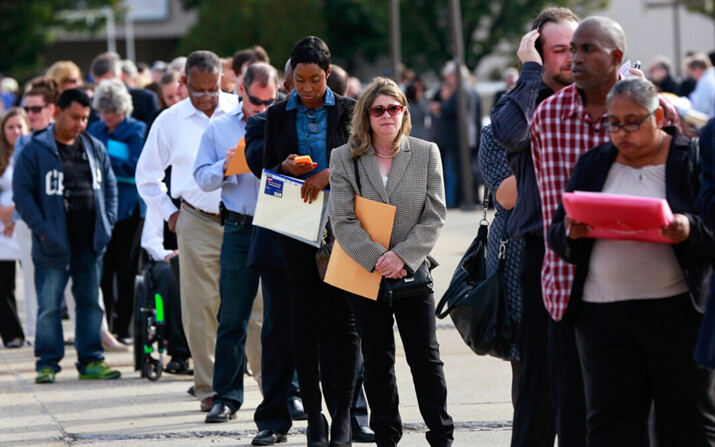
(13,124)
(641,303)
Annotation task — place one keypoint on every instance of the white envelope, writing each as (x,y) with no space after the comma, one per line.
(281,209)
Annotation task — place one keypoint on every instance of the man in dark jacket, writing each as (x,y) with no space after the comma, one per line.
(65,191)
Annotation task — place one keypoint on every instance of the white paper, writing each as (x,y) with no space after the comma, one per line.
(281,209)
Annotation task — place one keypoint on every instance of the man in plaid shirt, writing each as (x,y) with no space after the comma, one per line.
(568,124)
(564,126)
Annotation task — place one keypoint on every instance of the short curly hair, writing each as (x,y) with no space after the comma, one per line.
(112,94)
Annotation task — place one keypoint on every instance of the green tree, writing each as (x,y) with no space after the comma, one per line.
(706,7)
(226,26)
(358,30)
(28,27)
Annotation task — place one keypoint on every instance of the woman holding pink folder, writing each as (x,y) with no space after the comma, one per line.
(641,303)
(382,163)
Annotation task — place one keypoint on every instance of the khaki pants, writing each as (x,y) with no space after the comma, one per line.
(199,239)
(253,338)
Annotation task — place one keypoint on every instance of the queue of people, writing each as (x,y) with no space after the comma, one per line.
(607,329)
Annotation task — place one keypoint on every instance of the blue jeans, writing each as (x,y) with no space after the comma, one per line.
(238,286)
(50,281)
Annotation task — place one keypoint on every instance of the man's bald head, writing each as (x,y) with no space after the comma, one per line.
(611,31)
(597,49)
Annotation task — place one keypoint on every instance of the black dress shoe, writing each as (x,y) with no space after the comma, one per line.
(179,366)
(268,437)
(362,433)
(295,408)
(220,413)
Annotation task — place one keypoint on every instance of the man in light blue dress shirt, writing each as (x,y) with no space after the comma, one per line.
(238,281)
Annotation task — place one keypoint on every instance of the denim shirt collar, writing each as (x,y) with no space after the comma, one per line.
(294,101)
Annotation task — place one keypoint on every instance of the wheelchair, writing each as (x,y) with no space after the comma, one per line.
(149,329)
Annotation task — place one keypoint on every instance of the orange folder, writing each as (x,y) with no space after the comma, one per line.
(377,220)
(238,164)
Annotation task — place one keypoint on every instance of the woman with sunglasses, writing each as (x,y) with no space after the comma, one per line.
(641,303)
(313,121)
(382,163)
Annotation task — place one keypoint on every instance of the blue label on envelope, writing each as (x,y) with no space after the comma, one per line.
(274,187)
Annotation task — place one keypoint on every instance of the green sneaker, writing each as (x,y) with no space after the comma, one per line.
(45,375)
(98,370)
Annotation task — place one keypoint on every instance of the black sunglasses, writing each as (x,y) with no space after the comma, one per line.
(257,102)
(34,109)
(392,109)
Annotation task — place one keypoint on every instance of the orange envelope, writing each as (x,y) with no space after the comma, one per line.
(377,219)
(238,164)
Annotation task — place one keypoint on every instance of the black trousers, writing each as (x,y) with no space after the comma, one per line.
(417,325)
(534,414)
(310,299)
(567,384)
(277,368)
(635,352)
(165,284)
(328,352)
(121,262)
(10,327)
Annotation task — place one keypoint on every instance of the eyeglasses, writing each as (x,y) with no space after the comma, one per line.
(258,102)
(70,81)
(203,94)
(34,109)
(392,109)
(628,127)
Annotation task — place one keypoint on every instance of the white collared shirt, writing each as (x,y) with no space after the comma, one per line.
(174,141)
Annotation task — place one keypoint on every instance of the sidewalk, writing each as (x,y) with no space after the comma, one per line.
(135,412)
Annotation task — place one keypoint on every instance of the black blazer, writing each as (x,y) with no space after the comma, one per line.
(282,137)
(681,189)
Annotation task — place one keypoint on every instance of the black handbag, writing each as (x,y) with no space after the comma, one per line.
(477,303)
(418,283)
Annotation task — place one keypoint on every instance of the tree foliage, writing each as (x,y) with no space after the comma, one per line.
(358,30)
(226,26)
(27,27)
(705,7)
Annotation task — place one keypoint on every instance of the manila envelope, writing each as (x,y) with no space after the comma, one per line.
(377,219)
(238,164)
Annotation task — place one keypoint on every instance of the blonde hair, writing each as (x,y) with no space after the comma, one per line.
(360,140)
(60,71)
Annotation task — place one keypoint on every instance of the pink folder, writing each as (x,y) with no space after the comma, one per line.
(616,216)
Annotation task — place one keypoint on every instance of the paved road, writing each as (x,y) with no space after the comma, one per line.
(136,412)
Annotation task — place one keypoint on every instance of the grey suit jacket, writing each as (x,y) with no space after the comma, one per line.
(415,186)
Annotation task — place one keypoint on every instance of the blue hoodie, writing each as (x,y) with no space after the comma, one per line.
(38,195)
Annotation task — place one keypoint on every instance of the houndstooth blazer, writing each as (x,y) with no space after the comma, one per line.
(415,186)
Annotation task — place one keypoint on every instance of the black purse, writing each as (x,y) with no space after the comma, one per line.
(477,303)
(418,283)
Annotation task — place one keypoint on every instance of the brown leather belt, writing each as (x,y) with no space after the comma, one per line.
(214,215)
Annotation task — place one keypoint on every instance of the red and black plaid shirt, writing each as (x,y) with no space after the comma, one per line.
(561,131)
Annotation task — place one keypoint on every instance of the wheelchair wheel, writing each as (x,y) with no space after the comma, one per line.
(140,324)
(152,368)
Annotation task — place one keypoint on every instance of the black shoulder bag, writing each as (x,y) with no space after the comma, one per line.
(418,283)
(477,303)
